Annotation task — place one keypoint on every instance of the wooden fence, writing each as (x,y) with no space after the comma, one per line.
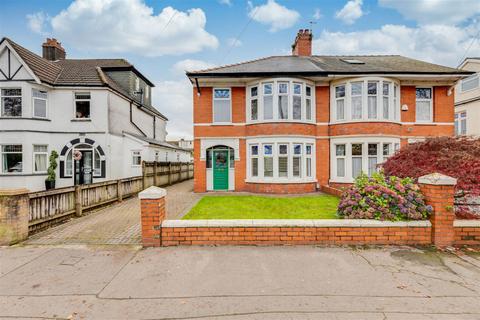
(51,207)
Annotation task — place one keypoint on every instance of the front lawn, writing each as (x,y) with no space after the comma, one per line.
(261,207)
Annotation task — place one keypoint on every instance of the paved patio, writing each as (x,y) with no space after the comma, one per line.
(116,224)
(305,282)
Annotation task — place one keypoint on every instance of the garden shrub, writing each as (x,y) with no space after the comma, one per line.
(455,157)
(383,198)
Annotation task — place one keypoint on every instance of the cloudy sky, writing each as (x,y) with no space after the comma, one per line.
(165,38)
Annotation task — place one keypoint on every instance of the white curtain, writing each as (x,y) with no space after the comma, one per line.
(372,107)
(423,110)
(40,162)
(356,166)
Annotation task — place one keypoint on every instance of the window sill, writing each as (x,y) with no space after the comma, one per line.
(20,174)
(280,181)
(281,121)
(25,118)
(81,120)
(222,124)
(364,121)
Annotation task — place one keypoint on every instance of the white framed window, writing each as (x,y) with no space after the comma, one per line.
(254,103)
(69,164)
(97,164)
(340,102)
(268,160)
(423,105)
(461,123)
(137,84)
(222,105)
(297,101)
(281,160)
(136,158)
(372,98)
(352,156)
(308,160)
(365,99)
(39,103)
(282,99)
(254,160)
(12,158)
(11,100)
(470,83)
(82,105)
(308,103)
(40,158)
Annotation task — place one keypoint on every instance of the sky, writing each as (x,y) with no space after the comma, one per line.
(165,38)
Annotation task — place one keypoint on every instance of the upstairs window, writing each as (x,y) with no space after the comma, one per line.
(372,87)
(283,100)
(308,102)
(11,100)
(267,101)
(424,105)
(254,103)
(82,105)
(297,101)
(340,102)
(470,83)
(222,105)
(39,103)
(357,99)
(12,158)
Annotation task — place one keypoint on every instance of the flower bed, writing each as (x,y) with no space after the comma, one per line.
(383,198)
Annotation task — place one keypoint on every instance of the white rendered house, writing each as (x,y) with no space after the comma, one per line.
(96,113)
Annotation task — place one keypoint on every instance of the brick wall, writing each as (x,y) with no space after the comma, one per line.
(284,188)
(467,233)
(14,213)
(276,235)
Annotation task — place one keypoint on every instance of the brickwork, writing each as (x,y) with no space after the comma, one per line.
(283,188)
(331,190)
(467,236)
(440,195)
(322,158)
(152,209)
(200,171)
(295,236)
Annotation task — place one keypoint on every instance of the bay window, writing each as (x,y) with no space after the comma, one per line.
(423,104)
(352,156)
(222,105)
(11,100)
(365,99)
(40,157)
(281,100)
(281,160)
(12,158)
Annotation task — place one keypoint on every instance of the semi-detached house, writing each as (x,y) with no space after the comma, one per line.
(294,123)
(96,113)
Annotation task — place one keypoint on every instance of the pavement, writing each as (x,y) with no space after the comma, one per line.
(115,224)
(283,282)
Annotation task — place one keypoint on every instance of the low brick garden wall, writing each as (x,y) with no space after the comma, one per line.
(293,232)
(442,230)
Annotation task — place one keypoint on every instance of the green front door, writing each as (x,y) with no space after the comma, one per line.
(220,170)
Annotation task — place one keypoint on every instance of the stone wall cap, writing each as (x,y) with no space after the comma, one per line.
(152,193)
(437,179)
(466,223)
(13,192)
(318,223)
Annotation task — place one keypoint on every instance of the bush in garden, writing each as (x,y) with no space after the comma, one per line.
(454,157)
(383,198)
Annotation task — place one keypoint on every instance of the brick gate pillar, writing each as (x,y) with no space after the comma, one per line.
(152,208)
(14,212)
(439,191)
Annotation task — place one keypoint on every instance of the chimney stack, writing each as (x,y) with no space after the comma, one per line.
(53,50)
(303,43)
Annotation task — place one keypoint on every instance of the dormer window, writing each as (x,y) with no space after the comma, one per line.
(82,105)
(11,100)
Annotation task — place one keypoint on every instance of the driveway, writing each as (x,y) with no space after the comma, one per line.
(116,224)
(304,282)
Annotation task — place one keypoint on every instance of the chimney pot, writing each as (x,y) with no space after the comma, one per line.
(52,50)
(303,43)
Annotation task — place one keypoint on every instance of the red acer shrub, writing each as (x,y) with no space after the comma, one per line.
(454,157)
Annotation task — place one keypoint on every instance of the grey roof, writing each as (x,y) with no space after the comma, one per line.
(325,65)
(79,72)
(156,142)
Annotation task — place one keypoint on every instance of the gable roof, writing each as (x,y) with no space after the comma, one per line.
(327,65)
(79,72)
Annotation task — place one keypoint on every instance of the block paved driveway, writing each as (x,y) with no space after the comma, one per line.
(225,283)
(116,224)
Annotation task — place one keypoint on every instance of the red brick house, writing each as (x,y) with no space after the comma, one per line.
(290,124)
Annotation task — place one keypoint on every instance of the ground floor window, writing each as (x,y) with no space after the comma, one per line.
(351,157)
(461,123)
(136,158)
(12,158)
(277,160)
(40,157)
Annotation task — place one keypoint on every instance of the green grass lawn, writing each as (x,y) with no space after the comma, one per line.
(260,207)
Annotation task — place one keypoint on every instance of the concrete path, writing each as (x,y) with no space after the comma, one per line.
(77,282)
(116,224)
